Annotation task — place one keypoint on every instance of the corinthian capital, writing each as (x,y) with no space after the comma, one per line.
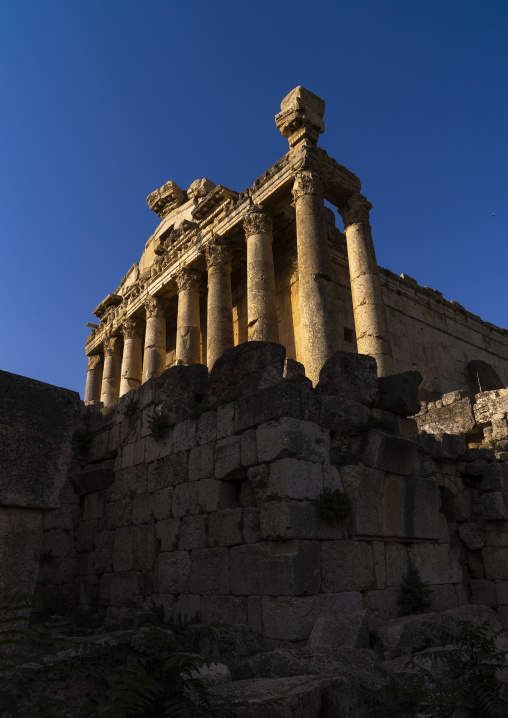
(217,254)
(357,210)
(130,327)
(154,306)
(94,361)
(188,278)
(257,221)
(307,183)
(112,345)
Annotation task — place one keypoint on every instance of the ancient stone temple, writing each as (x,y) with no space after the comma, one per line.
(269,264)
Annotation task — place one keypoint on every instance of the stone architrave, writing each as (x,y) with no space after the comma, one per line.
(132,362)
(112,368)
(188,332)
(93,379)
(154,360)
(262,318)
(318,328)
(371,326)
(220,334)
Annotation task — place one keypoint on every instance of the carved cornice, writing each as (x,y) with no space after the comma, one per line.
(307,183)
(164,200)
(357,210)
(188,278)
(112,345)
(131,328)
(94,361)
(154,307)
(217,254)
(301,116)
(257,221)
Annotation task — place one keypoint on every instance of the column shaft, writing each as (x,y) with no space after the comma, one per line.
(112,366)
(318,327)
(262,318)
(93,379)
(188,333)
(371,326)
(132,361)
(220,334)
(154,360)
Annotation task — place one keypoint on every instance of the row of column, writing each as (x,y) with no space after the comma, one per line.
(318,327)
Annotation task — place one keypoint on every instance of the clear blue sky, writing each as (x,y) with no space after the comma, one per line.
(105,100)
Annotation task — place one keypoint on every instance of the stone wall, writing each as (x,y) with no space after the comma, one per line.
(217,517)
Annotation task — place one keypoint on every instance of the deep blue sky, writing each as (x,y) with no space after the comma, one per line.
(105,100)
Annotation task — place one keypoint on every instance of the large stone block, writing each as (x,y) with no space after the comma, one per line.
(249,450)
(193,533)
(168,531)
(175,470)
(483,592)
(292,438)
(399,393)
(295,519)
(145,547)
(215,495)
(184,435)
(398,561)
(206,430)
(347,566)
(495,562)
(201,462)
(231,610)
(437,563)
(472,533)
(267,405)
(173,572)
(495,478)
(186,499)
(292,618)
(210,571)
(94,477)
(350,630)
(225,527)
(123,551)
(381,606)
(104,551)
(37,423)
(387,452)
(246,369)
(228,464)
(282,568)
(365,489)
(341,415)
(495,506)
(295,479)
(350,376)
(181,384)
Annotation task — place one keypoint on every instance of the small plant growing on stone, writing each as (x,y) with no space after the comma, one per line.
(130,408)
(159,424)
(332,506)
(415,594)
(82,442)
(493,443)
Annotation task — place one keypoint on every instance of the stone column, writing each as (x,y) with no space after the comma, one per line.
(132,361)
(220,305)
(93,379)
(371,326)
(318,326)
(154,360)
(262,319)
(112,366)
(188,334)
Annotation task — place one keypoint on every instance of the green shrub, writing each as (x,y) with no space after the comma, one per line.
(130,408)
(415,594)
(332,506)
(462,678)
(159,424)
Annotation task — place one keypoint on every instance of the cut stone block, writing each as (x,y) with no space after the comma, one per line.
(228,463)
(173,572)
(225,527)
(389,453)
(294,479)
(495,478)
(348,631)
(495,561)
(210,571)
(437,563)
(168,531)
(193,533)
(472,533)
(214,495)
(399,393)
(292,438)
(201,462)
(284,400)
(281,569)
(495,506)
(347,566)
(295,519)
(350,376)
(185,499)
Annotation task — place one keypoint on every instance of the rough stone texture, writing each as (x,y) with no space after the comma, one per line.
(37,422)
(350,630)
(292,437)
(244,369)
(350,376)
(399,393)
(389,453)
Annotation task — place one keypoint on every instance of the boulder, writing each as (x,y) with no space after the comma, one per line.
(399,393)
(243,370)
(351,630)
(350,376)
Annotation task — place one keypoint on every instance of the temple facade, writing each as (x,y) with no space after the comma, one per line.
(269,264)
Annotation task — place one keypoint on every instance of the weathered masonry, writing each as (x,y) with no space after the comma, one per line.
(269,264)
